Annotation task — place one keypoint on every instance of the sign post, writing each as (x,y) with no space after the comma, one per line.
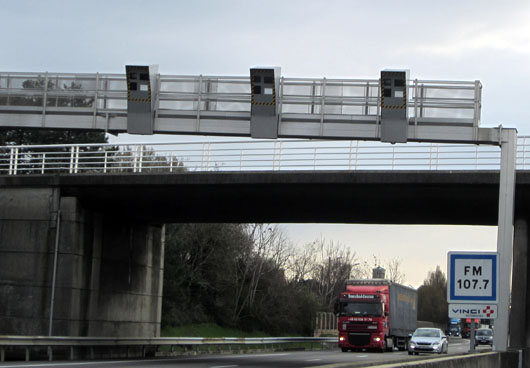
(473,287)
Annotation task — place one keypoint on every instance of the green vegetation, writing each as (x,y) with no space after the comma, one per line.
(207,330)
(248,277)
(432,298)
(234,276)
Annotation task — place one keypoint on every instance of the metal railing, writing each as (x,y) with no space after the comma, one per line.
(103,94)
(144,343)
(251,155)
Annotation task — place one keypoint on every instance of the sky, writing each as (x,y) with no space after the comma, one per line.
(486,40)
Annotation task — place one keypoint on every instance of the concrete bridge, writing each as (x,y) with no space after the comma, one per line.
(109,233)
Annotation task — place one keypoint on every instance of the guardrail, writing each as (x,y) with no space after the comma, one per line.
(143,343)
(252,155)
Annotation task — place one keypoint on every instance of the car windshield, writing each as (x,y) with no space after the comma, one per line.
(426,333)
(360,309)
(484,333)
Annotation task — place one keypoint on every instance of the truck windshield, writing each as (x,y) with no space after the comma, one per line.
(360,309)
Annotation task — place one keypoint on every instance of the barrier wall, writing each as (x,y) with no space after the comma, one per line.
(483,360)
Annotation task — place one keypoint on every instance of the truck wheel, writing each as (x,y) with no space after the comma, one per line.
(410,352)
(344,350)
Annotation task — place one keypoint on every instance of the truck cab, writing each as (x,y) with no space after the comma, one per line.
(363,320)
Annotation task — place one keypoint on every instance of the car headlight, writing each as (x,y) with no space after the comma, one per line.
(412,344)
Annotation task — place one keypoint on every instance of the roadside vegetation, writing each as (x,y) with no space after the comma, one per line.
(249,277)
(432,298)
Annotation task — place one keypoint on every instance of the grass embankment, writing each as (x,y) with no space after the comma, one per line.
(213,330)
(207,330)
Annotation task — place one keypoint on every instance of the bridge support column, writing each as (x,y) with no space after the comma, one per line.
(126,283)
(519,305)
(109,272)
(520,299)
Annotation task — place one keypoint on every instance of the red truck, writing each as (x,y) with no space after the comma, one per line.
(376,314)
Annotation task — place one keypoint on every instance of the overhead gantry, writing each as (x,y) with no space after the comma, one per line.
(392,108)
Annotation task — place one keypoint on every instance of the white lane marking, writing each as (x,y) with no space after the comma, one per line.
(252,355)
(313,360)
(69,364)
(130,361)
(224,366)
(361,356)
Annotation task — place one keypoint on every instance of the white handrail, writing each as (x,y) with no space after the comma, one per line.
(250,155)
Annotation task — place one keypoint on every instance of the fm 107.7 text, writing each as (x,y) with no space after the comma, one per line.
(472,284)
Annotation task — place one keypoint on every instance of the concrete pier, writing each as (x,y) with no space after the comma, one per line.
(109,271)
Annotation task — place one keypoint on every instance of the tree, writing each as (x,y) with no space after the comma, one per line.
(233,275)
(334,265)
(146,160)
(392,269)
(267,252)
(198,272)
(432,298)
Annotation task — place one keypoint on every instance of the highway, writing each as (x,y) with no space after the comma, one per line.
(291,359)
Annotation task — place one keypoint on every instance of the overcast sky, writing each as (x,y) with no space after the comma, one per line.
(449,40)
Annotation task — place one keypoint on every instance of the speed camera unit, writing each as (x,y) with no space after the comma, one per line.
(394,106)
(264,111)
(141,90)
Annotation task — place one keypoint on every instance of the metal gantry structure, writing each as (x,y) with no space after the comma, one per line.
(263,104)
(225,105)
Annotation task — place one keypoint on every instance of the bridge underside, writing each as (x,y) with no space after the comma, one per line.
(399,197)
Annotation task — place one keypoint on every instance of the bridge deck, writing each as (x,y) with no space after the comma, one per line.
(399,197)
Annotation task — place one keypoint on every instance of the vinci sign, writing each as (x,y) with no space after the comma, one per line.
(488,311)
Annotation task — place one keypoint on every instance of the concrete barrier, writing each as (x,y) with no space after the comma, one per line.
(482,360)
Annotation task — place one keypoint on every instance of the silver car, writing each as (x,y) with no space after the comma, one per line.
(428,340)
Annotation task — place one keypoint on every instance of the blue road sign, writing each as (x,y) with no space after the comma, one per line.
(472,277)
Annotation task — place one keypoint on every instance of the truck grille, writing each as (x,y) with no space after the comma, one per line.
(359,339)
(361,326)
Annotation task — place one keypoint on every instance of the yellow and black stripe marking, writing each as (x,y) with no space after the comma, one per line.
(139,99)
(131,99)
(254,102)
(403,106)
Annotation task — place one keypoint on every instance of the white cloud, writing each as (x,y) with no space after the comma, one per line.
(511,37)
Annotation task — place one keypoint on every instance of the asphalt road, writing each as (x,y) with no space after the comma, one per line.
(290,359)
